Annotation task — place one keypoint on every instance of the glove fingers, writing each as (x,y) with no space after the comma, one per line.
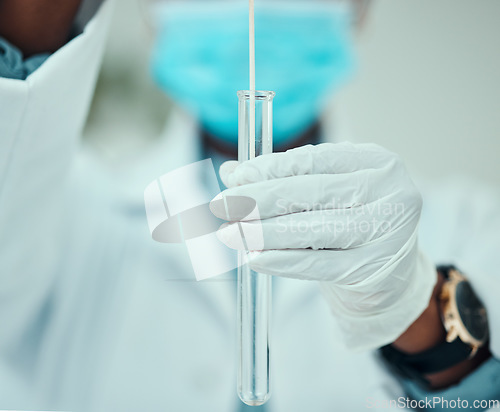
(326,158)
(302,193)
(329,229)
(339,266)
(226,169)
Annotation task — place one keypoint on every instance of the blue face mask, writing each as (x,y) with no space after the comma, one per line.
(303,53)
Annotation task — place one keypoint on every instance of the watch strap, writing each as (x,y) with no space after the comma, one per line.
(440,357)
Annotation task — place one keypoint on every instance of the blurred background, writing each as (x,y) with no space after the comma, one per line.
(427,87)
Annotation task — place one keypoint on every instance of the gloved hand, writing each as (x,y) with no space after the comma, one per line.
(342,214)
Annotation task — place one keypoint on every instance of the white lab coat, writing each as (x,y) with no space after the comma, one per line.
(94,315)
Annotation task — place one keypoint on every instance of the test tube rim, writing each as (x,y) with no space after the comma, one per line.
(259,94)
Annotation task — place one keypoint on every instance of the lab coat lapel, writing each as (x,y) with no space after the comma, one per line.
(185,148)
(178,146)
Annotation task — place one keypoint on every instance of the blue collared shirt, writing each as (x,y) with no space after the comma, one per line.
(478,391)
(12,63)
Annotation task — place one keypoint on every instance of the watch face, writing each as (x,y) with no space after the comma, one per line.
(472,312)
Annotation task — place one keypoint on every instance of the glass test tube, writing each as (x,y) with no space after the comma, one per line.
(254,289)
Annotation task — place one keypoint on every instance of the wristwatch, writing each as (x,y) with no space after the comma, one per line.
(465,322)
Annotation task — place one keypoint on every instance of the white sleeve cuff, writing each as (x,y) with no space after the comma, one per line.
(371,331)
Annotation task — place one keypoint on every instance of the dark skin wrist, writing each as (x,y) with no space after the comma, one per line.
(37,26)
(428,331)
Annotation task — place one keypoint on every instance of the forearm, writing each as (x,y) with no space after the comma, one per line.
(428,331)
(37,26)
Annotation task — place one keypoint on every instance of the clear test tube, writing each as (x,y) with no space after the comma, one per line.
(254,289)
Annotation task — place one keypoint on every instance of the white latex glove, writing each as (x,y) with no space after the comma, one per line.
(342,214)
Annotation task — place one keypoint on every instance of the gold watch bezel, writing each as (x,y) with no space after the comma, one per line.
(451,318)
